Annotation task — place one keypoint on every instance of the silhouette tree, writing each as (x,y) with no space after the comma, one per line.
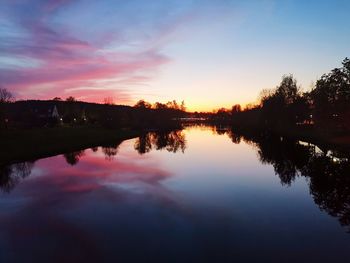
(143,144)
(265,94)
(71,99)
(235,109)
(160,106)
(94,149)
(331,98)
(143,104)
(288,90)
(235,138)
(5,96)
(285,106)
(173,105)
(108,101)
(110,151)
(73,157)
(222,115)
(183,106)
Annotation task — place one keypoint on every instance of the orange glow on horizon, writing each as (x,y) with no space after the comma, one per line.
(210,107)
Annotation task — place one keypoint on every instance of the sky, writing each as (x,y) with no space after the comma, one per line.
(209,53)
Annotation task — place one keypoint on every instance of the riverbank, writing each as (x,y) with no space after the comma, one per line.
(340,142)
(327,140)
(32,144)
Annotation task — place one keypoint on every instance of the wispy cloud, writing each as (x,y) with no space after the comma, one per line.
(70,61)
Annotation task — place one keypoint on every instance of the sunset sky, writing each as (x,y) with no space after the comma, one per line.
(210,53)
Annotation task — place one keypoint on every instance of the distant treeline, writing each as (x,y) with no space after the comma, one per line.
(326,107)
(70,112)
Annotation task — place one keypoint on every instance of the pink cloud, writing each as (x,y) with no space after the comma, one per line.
(72,66)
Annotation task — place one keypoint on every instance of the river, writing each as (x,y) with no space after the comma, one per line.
(201,194)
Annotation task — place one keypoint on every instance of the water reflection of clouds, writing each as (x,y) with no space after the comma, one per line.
(51,199)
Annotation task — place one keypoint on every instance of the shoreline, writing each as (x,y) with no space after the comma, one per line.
(339,142)
(30,145)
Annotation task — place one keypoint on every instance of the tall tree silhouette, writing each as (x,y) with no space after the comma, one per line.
(285,105)
(331,98)
(5,97)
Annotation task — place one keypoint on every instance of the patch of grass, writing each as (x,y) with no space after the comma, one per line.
(25,145)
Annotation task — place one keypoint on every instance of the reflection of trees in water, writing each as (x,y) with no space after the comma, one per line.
(328,176)
(94,149)
(330,186)
(110,151)
(73,157)
(224,129)
(143,144)
(172,141)
(287,157)
(11,175)
(236,139)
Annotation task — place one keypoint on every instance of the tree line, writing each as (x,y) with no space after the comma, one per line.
(71,112)
(326,106)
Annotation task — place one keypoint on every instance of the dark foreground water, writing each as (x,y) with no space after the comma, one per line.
(197,195)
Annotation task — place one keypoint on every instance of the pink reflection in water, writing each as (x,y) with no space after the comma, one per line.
(55,190)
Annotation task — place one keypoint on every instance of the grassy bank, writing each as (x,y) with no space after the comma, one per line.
(25,145)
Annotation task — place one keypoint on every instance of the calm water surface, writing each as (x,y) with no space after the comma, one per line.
(186,196)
